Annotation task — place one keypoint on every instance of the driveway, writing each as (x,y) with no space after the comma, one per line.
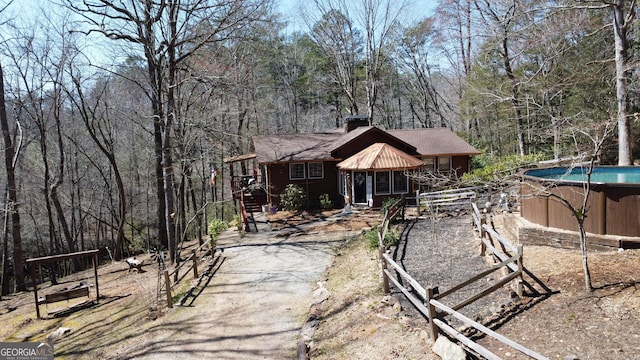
(253,303)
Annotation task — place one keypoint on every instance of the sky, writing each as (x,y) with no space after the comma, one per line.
(291,9)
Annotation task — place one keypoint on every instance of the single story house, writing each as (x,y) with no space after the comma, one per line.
(361,164)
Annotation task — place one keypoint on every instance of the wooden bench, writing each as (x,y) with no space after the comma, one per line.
(65,295)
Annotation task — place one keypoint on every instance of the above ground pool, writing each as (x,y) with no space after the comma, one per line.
(601,174)
(612,209)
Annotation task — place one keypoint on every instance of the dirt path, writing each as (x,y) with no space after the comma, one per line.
(256,302)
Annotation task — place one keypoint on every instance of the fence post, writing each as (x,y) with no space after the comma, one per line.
(483,247)
(433,328)
(520,279)
(167,283)
(383,263)
(195,264)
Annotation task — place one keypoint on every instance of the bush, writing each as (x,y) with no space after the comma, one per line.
(325,202)
(387,204)
(392,238)
(488,168)
(216,226)
(293,198)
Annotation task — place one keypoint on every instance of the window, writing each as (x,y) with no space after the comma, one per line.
(429,163)
(316,170)
(342,183)
(296,171)
(383,185)
(400,183)
(444,164)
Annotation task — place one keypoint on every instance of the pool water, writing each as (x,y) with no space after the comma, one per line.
(614,174)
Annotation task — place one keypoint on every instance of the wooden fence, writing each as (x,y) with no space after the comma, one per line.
(427,300)
(447,199)
(187,266)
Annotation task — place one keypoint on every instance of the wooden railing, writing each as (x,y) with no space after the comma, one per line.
(391,212)
(435,200)
(427,300)
(188,265)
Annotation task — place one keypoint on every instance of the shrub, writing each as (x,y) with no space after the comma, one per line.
(216,226)
(325,202)
(387,204)
(392,238)
(488,168)
(293,198)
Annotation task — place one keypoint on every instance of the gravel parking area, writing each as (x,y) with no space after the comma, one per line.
(442,251)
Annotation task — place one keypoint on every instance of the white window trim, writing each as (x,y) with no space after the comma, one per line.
(393,180)
(321,170)
(375,182)
(304,173)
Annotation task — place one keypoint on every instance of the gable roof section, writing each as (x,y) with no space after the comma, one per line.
(435,141)
(345,139)
(294,147)
(380,156)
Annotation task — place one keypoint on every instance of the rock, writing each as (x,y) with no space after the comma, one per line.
(58,334)
(320,295)
(424,336)
(448,350)
(571,357)
(309,329)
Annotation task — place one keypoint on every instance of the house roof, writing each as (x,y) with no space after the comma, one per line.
(435,141)
(321,146)
(294,147)
(346,138)
(380,156)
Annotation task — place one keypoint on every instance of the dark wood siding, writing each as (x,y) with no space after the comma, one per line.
(279,179)
(460,164)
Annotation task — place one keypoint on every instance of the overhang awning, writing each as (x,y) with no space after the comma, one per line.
(380,156)
(239,158)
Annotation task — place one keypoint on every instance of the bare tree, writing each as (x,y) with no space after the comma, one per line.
(501,18)
(166,34)
(623,15)
(11,151)
(335,34)
(379,19)
(578,205)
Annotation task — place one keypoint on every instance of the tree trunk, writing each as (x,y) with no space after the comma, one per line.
(622,83)
(12,191)
(515,93)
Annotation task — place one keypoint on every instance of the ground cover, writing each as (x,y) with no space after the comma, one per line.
(357,321)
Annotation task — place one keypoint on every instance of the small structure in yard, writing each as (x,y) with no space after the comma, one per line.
(66,294)
(364,164)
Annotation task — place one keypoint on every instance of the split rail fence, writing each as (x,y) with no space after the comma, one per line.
(188,265)
(428,300)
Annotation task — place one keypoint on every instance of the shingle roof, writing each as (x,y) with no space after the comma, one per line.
(318,146)
(380,156)
(294,147)
(347,137)
(435,141)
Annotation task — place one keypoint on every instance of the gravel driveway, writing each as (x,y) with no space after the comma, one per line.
(257,300)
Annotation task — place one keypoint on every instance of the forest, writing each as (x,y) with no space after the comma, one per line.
(116,115)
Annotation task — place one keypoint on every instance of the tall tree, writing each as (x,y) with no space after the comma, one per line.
(167,33)
(11,151)
(341,43)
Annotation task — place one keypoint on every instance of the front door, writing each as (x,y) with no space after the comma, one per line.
(359,187)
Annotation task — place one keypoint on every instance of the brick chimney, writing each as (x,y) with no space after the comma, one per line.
(355,121)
